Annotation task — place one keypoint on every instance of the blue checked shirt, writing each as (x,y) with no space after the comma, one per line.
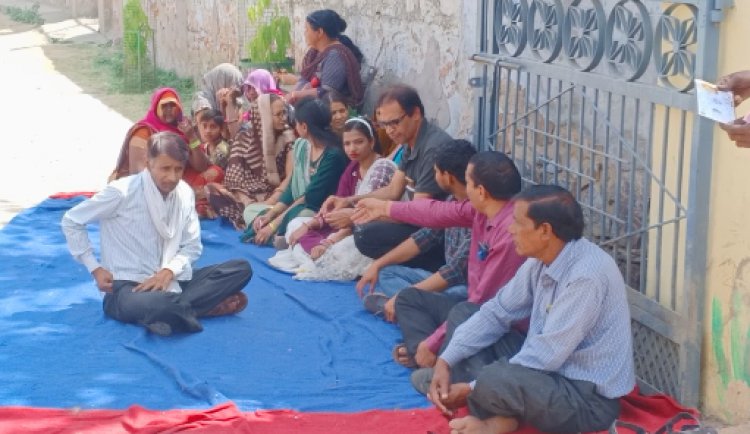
(580,320)
(457,242)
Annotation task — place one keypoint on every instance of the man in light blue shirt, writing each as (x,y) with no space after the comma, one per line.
(568,373)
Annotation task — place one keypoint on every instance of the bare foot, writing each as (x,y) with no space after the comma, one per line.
(473,425)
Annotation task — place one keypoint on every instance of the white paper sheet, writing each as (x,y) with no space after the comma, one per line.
(714,104)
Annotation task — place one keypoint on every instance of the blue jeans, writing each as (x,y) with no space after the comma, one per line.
(394,278)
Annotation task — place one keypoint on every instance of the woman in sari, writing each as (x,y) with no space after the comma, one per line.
(164,114)
(222,76)
(312,238)
(259,162)
(258,82)
(332,63)
(339,111)
(318,164)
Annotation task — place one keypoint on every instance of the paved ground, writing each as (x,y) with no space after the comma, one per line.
(55,137)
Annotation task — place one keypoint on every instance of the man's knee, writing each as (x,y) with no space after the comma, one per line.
(461,312)
(241,267)
(409,297)
(498,390)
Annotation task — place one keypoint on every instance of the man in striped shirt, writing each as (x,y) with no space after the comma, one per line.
(150,236)
(568,373)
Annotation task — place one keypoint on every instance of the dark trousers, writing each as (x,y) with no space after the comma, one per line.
(208,287)
(546,400)
(419,313)
(375,239)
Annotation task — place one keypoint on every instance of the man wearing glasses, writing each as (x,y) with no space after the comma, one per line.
(401,113)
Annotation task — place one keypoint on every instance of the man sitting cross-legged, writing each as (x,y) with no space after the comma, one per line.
(491,182)
(567,374)
(386,279)
(150,235)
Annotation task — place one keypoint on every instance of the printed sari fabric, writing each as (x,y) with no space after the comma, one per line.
(335,63)
(352,183)
(222,76)
(256,164)
(146,127)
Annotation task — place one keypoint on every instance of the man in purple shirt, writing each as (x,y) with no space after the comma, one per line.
(491,181)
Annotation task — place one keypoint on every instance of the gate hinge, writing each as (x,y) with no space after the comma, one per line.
(718,8)
(477,82)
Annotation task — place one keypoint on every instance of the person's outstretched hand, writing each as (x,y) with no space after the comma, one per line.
(368,210)
(738,132)
(738,83)
(368,278)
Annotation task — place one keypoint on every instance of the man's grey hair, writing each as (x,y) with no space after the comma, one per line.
(169,144)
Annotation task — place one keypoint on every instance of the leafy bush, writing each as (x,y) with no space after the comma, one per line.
(28,15)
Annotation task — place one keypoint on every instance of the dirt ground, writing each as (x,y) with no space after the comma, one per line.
(77,62)
(63,128)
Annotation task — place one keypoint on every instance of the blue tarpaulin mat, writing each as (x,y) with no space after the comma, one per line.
(307,346)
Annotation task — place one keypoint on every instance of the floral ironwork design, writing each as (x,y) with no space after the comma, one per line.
(675,38)
(545,29)
(584,34)
(629,56)
(510,26)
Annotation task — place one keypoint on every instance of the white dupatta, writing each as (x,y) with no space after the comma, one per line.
(168,216)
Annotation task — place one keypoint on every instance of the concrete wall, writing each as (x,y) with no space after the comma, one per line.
(77,8)
(726,375)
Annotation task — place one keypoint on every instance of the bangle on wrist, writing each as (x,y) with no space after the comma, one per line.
(272,225)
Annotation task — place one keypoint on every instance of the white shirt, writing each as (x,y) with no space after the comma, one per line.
(131,248)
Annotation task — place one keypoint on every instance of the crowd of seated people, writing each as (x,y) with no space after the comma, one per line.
(502,305)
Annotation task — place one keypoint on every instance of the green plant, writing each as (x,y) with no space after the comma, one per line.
(28,15)
(136,33)
(112,63)
(272,39)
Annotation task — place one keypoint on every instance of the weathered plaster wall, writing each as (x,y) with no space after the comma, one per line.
(726,355)
(110,18)
(192,37)
(423,43)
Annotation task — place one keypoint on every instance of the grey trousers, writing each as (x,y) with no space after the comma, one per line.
(419,313)
(546,400)
(208,287)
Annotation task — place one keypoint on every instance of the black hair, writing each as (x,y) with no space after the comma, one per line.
(453,157)
(333,26)
(332,96)
(497,173)
(369,133)
(554,205)
(317,116)
(169,144)
(211,115)
(406,96)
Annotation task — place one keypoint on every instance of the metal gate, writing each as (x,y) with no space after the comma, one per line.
(596,96)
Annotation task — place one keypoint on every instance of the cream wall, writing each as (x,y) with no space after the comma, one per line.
(726,349)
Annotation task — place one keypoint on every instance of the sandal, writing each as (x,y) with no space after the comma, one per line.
(401,356)
(235,303)
(685,423)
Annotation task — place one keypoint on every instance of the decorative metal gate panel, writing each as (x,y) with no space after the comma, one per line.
(596,96)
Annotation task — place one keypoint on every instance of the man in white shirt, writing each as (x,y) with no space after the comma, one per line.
(150,236)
